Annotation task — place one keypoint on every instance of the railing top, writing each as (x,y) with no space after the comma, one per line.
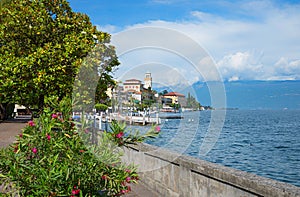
(237,178)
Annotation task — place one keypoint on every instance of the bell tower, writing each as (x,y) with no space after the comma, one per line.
(148,80)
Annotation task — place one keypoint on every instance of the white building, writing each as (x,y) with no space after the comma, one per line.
(132,85)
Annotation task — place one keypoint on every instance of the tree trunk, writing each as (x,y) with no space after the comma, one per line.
(6,110)
(2,112)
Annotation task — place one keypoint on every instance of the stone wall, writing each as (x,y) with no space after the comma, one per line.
(169,174)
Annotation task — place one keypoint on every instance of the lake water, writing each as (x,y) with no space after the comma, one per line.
(263,142)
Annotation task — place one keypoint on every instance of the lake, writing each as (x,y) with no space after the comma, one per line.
(263,142)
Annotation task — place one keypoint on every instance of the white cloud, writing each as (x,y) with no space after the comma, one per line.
(107,28)
(240,65)
(287,69)
(246,48)
(234,78)
(185,59)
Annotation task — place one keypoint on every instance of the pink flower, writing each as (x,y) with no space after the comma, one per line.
(128,171)
(31,123)
(157,129)
(124,191)
(48,137)
(34,150)
(16,148)
(75,191)
(20,135)
(104,177)
(128,188)
(119,135)
(54,116)
(128,179)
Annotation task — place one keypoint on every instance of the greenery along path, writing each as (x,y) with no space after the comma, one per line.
(8,131)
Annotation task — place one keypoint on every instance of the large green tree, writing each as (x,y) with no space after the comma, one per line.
(43,44)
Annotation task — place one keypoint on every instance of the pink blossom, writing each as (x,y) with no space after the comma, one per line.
(16,148)
(31,123)
(54,116)
(128,188)
(128,171)
(48,137)
(75,191)
(128,179)
(119,135)
(124,191)
(104,177)
(21,135)
(34,150)
(157,129)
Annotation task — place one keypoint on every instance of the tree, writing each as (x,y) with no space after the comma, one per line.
(192,102)
(163,92)
(42,46)
(105,81)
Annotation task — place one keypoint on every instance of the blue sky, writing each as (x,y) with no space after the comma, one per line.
(246,40)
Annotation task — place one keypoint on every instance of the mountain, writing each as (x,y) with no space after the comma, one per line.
(255,94)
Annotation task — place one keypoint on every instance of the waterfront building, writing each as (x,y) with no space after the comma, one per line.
(133,90)
(177,98)
(132,85)
(137,96)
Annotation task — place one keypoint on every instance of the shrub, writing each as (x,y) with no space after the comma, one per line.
(53,157)
(101,107)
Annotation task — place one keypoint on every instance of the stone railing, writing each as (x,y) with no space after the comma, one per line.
(169,174)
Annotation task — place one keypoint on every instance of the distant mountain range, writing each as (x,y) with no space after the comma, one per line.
(250,94)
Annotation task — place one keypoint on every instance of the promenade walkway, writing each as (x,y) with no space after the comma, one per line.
(9,129)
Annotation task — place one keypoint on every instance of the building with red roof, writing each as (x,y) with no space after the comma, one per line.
(177,98)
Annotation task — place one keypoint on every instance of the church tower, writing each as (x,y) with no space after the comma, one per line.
(148,80)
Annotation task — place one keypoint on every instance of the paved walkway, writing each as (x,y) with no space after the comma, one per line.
(9,129)
(139,190)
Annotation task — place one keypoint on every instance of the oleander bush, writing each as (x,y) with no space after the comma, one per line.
(54,156)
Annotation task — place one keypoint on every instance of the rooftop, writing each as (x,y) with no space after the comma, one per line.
(174,94)
(132,80)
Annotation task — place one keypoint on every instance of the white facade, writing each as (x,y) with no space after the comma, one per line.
(132,85)
(137,96)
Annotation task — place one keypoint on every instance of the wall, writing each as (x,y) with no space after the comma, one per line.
(169,174)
